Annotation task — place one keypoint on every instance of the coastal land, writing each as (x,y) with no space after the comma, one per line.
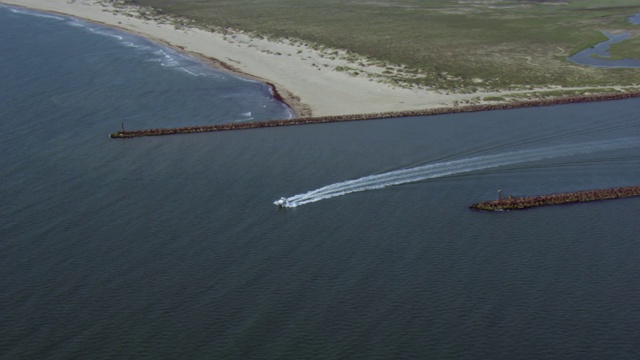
(319,77)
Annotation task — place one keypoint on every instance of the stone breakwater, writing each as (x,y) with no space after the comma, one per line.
(519,203)
(124,134)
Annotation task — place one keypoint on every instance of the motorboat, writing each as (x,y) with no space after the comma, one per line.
(282,202)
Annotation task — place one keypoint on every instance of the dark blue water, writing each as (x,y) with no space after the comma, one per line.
(171,247)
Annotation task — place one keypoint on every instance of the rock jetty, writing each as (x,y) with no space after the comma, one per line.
(124,134)
(520,203)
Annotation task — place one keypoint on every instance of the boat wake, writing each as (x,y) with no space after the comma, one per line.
(436,170)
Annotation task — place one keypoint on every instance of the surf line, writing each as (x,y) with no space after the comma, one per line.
(454,167)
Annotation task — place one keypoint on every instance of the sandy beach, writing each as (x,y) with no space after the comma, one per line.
(306,79)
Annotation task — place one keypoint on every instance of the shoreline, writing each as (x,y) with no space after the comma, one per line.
(278,92)
(308,83)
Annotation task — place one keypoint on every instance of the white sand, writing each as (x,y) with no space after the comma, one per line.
(308,81)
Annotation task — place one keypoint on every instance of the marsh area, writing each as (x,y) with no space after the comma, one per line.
(444,44)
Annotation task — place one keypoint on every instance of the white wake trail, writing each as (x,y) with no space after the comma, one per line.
(454,167)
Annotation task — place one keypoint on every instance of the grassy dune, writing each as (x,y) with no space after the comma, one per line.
(463,45)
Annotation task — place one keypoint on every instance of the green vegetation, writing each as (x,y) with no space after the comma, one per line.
(453,45)
(551,94)
(629,49)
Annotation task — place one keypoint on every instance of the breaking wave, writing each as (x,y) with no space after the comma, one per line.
(441,169)
(34,13)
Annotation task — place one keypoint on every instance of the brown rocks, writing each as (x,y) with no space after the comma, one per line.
(385,115)
(519,203)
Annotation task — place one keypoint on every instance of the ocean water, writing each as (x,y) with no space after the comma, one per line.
(171,247)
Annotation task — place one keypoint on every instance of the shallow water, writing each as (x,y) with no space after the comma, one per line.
(171,247)
(597,56)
